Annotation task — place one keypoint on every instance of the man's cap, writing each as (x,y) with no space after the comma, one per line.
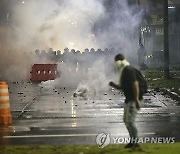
(119,57)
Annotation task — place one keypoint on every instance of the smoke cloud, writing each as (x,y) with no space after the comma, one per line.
(57,24)
(44,24)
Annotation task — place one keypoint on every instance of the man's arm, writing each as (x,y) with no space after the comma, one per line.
(112,84)
(136,93)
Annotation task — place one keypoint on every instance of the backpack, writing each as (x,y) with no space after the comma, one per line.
(143,87)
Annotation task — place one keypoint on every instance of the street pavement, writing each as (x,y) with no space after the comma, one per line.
(51,116)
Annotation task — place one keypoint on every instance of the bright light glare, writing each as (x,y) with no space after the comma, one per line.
(171,7)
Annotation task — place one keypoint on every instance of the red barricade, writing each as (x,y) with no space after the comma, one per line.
(44,72)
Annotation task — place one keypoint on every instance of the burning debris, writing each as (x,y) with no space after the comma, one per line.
(82,91)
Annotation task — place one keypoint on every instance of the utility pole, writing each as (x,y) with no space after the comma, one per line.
(140,35)
(166,41)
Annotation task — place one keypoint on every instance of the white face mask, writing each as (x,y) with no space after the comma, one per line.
(120,64)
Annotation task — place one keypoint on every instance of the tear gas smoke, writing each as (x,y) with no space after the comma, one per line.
(121,28)
(43,24)
(57,24)
(96,81)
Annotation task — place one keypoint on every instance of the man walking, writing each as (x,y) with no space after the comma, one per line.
(129,84)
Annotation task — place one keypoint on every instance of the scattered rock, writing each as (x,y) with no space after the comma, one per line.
(157,89)
(20,93)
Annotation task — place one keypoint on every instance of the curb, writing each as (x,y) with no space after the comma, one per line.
(173,95)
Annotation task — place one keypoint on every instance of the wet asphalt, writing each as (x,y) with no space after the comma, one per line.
(52,116)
